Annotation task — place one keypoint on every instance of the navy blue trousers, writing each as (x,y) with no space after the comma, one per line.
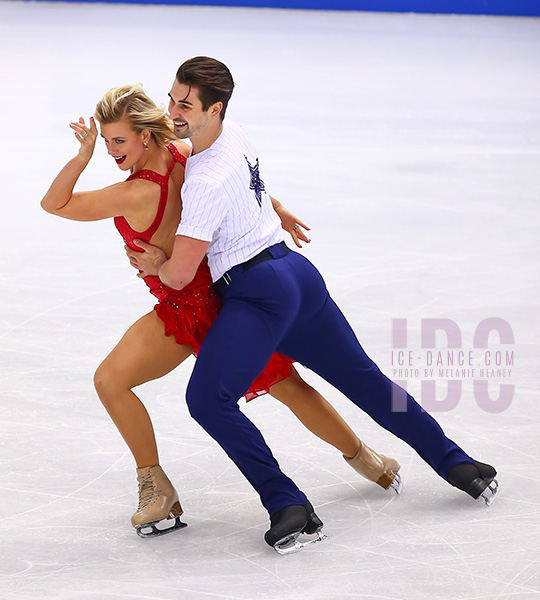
(283,305)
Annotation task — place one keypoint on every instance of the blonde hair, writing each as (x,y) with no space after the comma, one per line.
(131,103)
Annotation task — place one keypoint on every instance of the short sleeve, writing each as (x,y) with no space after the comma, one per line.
(203,209)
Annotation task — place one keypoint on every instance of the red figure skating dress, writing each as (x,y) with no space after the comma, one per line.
(189,313)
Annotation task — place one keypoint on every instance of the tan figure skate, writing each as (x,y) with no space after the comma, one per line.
(376,467)
(158,501)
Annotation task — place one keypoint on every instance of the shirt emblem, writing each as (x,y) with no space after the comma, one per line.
(256,184)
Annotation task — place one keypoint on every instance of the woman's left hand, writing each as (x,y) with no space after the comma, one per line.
(292,224)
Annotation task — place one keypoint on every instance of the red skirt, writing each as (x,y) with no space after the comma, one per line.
(189,313)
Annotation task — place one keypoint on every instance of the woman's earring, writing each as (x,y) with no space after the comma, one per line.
(145,144)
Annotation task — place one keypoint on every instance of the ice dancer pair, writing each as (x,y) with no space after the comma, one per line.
(269,293)
(147,207)
(275,296)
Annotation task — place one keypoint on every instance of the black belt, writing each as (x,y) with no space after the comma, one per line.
(225,280)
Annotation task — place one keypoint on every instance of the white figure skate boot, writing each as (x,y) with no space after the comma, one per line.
(158,501)
(376,467)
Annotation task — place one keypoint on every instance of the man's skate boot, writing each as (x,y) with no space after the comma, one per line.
(376,467)
(287,524)
(158,501)
(477,479)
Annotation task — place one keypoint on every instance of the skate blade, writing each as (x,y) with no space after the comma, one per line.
(291,543)
(149,530)
(491,491)
(397,484)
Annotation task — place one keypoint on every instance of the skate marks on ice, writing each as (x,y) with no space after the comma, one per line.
(428,209)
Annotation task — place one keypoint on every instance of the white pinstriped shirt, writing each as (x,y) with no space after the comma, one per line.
(224,202)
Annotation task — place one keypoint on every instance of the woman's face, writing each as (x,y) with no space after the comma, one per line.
(123,144)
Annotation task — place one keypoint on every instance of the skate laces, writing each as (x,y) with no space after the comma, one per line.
(147,491)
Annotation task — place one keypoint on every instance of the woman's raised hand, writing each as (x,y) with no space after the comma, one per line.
(86,135)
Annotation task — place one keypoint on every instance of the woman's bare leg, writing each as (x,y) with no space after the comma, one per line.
(326,423)
(318,415)
(144,353)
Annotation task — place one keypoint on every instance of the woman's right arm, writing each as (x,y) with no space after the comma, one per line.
(61,200)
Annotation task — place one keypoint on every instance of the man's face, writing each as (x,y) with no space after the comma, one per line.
(186,111)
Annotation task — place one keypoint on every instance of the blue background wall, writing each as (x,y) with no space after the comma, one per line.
(475,7)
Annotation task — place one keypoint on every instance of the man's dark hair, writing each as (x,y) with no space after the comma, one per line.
(212,79)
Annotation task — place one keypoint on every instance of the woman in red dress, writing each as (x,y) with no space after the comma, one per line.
(147,206)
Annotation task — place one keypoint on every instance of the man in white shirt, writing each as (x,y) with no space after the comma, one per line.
(274,299)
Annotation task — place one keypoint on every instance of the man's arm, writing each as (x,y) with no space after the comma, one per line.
(188,253)
(175,272)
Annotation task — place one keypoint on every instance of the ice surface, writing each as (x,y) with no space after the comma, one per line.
(411,145)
